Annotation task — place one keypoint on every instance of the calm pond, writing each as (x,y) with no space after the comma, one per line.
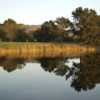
(75,78)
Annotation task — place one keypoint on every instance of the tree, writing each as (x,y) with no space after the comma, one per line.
(47,33)
(88,22)
(10,28)
(22,36)
(2,34)
(53,31)
(63,22)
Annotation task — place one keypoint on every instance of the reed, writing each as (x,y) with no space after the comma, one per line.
(43,50)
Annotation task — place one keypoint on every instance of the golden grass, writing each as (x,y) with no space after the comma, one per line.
(40,50)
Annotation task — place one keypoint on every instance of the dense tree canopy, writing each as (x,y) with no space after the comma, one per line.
(89,23)
(53,31)
(85,28)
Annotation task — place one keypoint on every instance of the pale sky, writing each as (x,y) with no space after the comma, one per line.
(38,11)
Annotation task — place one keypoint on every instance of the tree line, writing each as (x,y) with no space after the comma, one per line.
(84,28)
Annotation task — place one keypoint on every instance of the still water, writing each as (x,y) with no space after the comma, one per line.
(50,79)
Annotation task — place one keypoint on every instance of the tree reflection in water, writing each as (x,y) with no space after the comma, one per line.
(11,64)
(85,75)
(55,65)
(88,73)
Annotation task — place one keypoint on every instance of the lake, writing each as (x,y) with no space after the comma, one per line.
(68,78)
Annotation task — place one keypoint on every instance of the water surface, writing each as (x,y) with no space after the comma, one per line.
(50,79)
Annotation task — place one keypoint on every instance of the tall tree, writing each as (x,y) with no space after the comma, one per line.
(10,28)
(87,20)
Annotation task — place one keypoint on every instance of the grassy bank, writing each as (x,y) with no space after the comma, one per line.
(40,50)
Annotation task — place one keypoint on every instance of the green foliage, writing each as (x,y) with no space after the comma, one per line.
(84,29)
(89,23)
(11,31)
(10,28)
(53,31)
(47,32)
(21,36)
(63,22)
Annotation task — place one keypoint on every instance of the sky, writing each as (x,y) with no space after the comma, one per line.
(39,11)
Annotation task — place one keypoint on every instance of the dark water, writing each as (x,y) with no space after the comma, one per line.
(50,79)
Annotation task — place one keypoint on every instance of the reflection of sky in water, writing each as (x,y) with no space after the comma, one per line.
(33,83)
(71,61)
